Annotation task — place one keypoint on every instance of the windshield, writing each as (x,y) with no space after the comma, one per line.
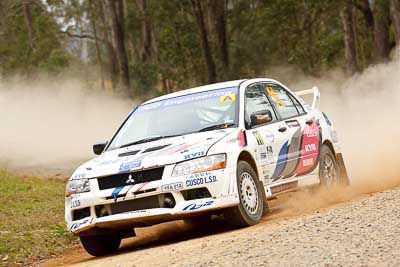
(181,115)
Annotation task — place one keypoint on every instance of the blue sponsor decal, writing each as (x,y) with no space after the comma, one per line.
(281,160)
(127,166)
(180,100)
(194,155)
(79,224)
(195,206)
(116,191)
(200,178)
(111,161)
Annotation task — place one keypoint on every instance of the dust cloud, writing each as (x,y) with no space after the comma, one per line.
(48,127)
(52,124)
(365,110)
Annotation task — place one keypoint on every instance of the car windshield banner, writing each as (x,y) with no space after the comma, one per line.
(226,93)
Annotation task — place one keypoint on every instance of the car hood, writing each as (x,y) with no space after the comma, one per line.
(151,154)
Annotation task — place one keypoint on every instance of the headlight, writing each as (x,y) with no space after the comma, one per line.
(203,164)
(77,186)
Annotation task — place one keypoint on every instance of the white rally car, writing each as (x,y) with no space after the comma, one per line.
(218,149)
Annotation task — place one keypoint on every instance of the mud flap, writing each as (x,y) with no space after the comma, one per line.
(342,169)
(265,201)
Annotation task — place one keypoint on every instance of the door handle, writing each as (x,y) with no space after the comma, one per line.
(310,121)
(282,129)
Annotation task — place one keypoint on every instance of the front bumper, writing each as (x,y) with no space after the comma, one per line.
(220,184)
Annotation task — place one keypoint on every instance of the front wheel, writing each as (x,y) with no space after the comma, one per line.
(251,202)
(100,245)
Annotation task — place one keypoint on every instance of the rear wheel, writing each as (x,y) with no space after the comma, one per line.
(329,173)
(251,202)
(99,245)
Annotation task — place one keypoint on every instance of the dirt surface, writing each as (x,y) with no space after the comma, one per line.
(344,228)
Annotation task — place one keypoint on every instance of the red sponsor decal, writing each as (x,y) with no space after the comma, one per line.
(309,148)
(283,187)
(141,186)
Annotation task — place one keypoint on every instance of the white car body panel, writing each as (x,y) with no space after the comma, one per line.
(275,173)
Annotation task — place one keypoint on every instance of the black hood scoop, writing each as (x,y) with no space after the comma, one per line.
(155,148)
(130,153)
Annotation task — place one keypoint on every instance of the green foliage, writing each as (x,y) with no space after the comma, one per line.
(145,77)
(56,61)
(260,35)
(18,54)
(32,218)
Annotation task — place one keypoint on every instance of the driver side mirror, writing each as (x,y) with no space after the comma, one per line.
(99,148)
(260,117)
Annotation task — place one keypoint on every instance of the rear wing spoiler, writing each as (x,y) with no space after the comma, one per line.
(316,98)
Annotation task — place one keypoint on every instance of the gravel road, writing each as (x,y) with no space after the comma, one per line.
(300,231)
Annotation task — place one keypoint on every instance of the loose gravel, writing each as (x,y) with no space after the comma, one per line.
(364,232)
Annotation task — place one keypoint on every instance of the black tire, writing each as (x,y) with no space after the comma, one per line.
(251,199)
(100,245)
(329,172)
(199,221)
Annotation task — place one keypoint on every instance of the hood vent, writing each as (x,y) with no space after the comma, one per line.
(155,148)
(130,153)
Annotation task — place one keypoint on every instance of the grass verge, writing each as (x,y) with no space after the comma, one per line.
(32,223)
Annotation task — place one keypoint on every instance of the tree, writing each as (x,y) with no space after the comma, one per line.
(219,20)
(116,15)
(198,12)
(148,51)
(395,14)
(30,42)
(28,20)
(381,30)
(347,16)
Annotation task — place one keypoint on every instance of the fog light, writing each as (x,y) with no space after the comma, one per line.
(169,201)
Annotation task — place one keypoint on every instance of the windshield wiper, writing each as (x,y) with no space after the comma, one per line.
(216,127)
(149,139)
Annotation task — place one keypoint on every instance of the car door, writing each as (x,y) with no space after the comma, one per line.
(302,134)
(267,137)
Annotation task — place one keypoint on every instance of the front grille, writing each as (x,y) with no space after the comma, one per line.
(151,202)
(138,177)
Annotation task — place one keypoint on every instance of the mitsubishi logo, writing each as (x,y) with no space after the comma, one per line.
(130,180)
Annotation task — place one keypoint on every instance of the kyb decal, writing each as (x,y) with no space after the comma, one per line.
(311,147)
(194,154)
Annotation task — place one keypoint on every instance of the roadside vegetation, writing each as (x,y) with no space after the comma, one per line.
(31,219)
(147,47)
